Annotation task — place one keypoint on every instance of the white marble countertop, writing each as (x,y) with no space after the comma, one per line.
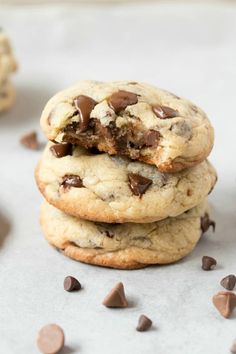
(188,49)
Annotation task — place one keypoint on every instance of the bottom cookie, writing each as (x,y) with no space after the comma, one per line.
(7,95)
(123,246)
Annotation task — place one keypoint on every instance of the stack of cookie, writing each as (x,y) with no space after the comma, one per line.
(7,66)
(124,174)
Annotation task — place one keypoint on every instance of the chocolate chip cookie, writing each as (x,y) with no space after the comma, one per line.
(124,246)
(7,61)
(130,119)
(7,95)
(114,189)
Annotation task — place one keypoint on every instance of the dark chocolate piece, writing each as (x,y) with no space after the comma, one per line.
(208,263)
(71,284)
(138,184)
(61,150)
(84,105)
(121,99)
(164,112)
(229,282)
(30,141)
(144,323)
(72,181)
(206,222)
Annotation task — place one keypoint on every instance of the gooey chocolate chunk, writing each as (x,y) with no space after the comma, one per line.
(61,150)
(84,106)
(72,181)
(118,101)
(164,112)
(138,184)
(152,138)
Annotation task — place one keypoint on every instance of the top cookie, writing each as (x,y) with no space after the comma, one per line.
(7,60)
(133,119)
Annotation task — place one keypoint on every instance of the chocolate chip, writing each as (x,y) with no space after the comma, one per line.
(71,284)
(121,99)
(116,297)
(164,112)
(225,302)
(228,282)
(30,141)
(233,348)
(50,339)
(144,323)
(208,263)
(152,138)
(206,222)
(84,105)
(94,151)
(61,150)
(109,234)
(72,181)
(138,184)
(189,192)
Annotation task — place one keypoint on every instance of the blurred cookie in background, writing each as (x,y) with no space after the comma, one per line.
(7,95)
(8,65)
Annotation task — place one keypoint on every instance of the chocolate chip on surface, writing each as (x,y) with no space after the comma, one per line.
(164,112)
(206,222)
(228,282)
(138,184)
(233,348)
(225,302)
(208,263)
(72,181)
(61,150)
(84,105)
(30,141)
(71,284)
(152,138)
(144,323)
(118,101)
(116,297)
(50,339)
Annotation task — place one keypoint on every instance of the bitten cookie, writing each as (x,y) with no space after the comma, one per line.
(7,61)
(124,246)
(7,95)
(115,189)
(133,119)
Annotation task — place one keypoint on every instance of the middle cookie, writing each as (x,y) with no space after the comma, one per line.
(109,189)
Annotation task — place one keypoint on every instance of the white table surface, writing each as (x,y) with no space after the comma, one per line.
(189,49)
